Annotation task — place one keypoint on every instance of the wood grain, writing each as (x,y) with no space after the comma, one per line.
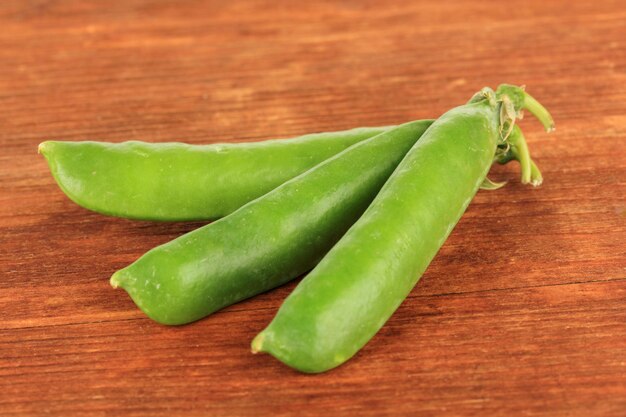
(523,311)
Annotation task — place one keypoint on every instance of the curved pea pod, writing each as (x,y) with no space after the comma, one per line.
(178,181)
(350,294)
(270,240)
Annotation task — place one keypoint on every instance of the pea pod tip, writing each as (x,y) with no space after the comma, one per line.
(257,343)
(114,281)
(43,147)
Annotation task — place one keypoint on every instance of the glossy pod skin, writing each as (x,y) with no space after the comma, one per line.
(177,181)
(270,240)
(363,279)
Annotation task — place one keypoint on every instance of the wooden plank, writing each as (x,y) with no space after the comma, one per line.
(554,349)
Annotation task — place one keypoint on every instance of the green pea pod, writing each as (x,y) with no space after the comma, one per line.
(363,279)
(270,240)
(177,181)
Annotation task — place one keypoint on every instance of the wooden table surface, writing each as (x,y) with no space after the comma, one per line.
(523,311)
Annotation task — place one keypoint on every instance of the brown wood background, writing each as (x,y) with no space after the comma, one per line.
(523,312)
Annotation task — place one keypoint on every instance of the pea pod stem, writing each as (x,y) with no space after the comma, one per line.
(517,149)
(540,112)
(536,179)
(520,100)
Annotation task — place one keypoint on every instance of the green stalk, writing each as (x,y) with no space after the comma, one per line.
(538,111)
(521,100)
